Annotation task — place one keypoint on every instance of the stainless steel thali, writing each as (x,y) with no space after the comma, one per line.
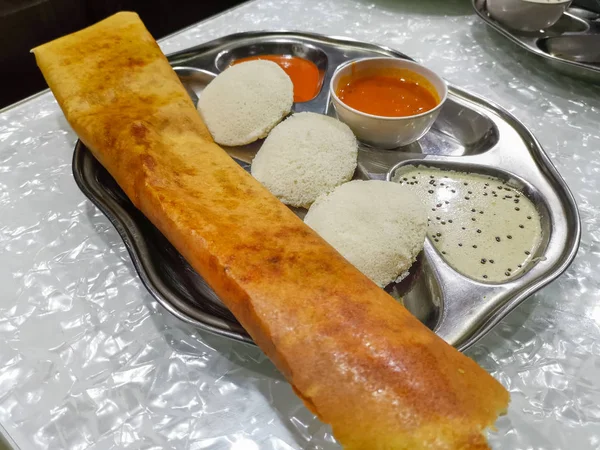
(470,134)
(572,45)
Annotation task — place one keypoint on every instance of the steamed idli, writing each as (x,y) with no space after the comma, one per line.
(378,226)
(244,102)
(305,156)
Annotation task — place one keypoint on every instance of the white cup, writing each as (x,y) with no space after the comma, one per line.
(527,15)
(383,131)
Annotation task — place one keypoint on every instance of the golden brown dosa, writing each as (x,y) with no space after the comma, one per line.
(355,356)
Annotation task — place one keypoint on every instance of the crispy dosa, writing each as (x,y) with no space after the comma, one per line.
(356,357)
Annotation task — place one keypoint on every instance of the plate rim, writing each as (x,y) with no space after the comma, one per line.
(588,69)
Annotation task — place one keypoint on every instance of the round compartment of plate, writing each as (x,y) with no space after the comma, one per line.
(567,23)
(451,208)
(277,47)
(583,48)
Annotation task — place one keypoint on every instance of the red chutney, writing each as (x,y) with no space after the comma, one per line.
(304,74)
(388,93)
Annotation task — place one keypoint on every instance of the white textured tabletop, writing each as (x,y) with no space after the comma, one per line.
(90,361)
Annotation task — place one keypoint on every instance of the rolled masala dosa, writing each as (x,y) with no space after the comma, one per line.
(356,357)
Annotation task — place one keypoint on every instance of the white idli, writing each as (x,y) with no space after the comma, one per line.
(378,226)
(305,156)
(244,102)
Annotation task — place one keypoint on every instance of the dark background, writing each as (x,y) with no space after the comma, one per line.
(27,23)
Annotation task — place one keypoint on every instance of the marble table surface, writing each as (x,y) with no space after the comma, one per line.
(90,361)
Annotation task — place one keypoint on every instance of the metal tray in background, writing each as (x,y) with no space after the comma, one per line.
(470,134)
(572,45)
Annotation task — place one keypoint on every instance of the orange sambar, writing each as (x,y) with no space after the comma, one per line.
(389,93)
(304,74)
